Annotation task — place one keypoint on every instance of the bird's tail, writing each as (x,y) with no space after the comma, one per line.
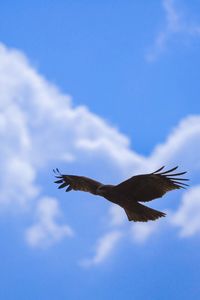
(142,213)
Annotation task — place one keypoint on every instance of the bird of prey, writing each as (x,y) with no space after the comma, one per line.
(129,193)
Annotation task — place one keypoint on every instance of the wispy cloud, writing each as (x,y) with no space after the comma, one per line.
(187,217)
(176,24)
(117,216)
(46,231)
(105,246)
(142,231)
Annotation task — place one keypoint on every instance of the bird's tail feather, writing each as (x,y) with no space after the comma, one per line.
(142,213)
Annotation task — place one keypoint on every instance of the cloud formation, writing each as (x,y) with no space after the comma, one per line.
(105,246)
(181,147)
(176,24)
(187,217)
(46,231)
(142,231)
(39,127)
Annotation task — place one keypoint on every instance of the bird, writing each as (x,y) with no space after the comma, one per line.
(129,193)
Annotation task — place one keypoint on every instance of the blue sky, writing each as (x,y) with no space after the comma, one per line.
(105,89)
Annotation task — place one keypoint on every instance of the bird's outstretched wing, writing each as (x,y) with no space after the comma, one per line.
(147,187)
(77,183)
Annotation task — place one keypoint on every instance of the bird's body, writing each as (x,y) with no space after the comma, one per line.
(129,193)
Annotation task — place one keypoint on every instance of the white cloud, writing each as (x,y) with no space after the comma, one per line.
(187,217)
(175,24)
(39,126)
(182,146)
(140,232)
(117,215)
(46,231)
(105,246)
(172,16)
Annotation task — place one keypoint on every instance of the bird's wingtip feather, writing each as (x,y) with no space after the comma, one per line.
(159,169)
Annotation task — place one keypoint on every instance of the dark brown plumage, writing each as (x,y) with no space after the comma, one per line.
(128,194)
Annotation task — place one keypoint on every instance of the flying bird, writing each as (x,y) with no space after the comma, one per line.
(129,193)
